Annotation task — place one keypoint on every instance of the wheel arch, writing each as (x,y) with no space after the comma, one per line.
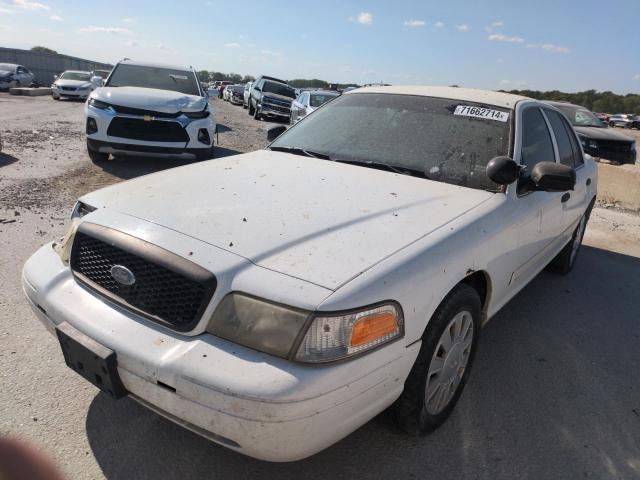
(480,281)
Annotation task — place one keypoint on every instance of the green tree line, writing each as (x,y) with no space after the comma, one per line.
(605,102)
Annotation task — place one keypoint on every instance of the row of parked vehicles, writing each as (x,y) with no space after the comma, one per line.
(270,97)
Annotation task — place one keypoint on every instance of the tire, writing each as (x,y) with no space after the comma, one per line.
(563,262)
(252,110)
(205,156)
(244,105)
(97,157)
(256,114)
(412,411)
(55,98)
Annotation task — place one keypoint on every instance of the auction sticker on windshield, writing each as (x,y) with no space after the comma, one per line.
(479,112)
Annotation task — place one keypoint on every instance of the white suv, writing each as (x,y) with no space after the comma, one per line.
(151,110)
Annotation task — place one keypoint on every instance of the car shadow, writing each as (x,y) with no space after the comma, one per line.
(6,159)
(131,167)
(554,393)
(223,128)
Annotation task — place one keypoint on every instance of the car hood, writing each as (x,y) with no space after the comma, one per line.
(72,83)
(165,101)
(316,220)
(5,73)
(596,133)
(275,96)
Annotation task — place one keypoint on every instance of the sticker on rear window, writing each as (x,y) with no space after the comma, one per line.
(479,112)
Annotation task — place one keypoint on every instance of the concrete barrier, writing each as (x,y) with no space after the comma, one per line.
(619,185)
(30,92)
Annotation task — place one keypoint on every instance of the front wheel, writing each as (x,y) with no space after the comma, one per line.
(256,114)
(251,108)
(96,156)
(442,368)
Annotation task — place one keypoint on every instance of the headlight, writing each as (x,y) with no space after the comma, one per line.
(258,324)
(202,114)
(334,337)
(99,104)
(326,337)
(81,209)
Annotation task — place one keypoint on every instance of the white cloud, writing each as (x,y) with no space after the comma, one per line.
(463,27)
(271,53)
(28,5)
(497,24)
(115,30)
(231,45)
(127,20)
(414,23)
(550,47)
(56,18)
(636,77)
(163,47)
(365,18)
(499,37)
(132,43)
(438,24)
(6,11)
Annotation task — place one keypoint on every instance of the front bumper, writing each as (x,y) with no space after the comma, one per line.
(613,155)
(59,92)
(256,404)
(271,111)
(136,150)
(135,146)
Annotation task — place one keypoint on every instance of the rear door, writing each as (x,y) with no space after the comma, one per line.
(576,201)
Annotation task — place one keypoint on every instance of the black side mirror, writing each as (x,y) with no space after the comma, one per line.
(553,177)
(503,170)
(275,132)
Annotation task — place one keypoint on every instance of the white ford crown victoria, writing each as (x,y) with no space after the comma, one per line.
(276,301)
(148,109)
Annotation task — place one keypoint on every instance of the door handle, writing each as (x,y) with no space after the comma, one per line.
(565,197)
(588,181)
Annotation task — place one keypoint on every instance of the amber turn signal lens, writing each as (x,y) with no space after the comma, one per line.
(371,328)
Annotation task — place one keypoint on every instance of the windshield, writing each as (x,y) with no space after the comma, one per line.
(580,117)
(443,139)
(318,99)
(182,81)
(76,76)
(279,89)
(7,67)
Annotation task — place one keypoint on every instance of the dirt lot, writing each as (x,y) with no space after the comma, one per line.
(555,391)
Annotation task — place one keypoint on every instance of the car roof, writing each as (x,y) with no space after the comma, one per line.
(488,97)
(155,65)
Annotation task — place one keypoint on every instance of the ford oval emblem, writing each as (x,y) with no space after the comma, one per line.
(123,275)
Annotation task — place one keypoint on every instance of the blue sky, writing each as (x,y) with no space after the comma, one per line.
(541,44)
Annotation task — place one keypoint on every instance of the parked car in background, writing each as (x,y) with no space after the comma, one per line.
(635,123)
(74,84)
(226,92)
(271,97)
(149,109)
(246,94)
(307,102)
(602,117)
(12,75)
(236,93)
(598,140)
(103,74)
(221,88)
(621,120)
(350,271)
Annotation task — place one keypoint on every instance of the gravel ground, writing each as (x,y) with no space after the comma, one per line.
(555,391)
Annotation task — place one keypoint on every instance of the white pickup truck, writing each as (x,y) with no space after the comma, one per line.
(275,301)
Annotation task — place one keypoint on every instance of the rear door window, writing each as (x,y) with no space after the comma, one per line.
(565,149)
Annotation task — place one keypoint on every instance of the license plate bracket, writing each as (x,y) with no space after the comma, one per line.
(91,360)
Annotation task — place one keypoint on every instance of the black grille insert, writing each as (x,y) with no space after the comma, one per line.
(151,131)
(168,289)
(142,112)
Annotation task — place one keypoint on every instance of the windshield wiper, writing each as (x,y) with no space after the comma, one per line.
(301,151)
(381,165)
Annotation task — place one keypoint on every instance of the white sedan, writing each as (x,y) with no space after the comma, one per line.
(74,84)
(276,301)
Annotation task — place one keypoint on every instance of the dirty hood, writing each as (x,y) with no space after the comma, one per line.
(61,82)
(165,101)
(316,220)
